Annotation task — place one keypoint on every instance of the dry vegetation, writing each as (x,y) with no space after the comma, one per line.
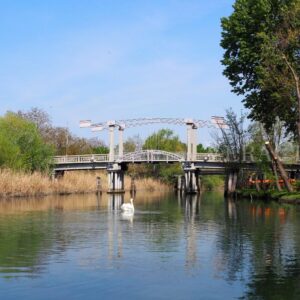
(19,184)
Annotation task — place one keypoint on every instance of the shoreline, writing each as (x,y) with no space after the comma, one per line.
(283,197)
(44,195)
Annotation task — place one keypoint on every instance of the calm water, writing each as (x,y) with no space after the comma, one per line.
(81,247)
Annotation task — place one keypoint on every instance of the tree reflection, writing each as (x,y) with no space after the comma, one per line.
(258,244)
(25,241)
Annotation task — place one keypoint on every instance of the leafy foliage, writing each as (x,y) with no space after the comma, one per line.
(261,59)
(21,145)
(166,140)
(203,149)
(60,138)
(233,139)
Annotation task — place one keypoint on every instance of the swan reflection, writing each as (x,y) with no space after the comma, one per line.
(127,216)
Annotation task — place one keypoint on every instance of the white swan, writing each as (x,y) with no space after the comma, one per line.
(128,206)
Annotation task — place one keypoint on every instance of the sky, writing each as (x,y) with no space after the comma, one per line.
(114,59)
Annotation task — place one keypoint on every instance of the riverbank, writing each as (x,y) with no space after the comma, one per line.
(21,184)
(282,197)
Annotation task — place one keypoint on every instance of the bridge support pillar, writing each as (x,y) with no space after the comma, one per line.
(191,140)
(111,141)
(231,183)
(121,144)
(179,184)
(191,181)
(115,176)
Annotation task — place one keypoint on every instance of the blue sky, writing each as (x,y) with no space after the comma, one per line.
(105,60)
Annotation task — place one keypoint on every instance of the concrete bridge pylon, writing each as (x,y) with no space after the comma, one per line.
(191,139)
(115,176)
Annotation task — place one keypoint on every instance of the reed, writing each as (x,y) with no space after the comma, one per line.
(19,184)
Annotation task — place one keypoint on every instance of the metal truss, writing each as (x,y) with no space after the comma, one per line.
(122,124)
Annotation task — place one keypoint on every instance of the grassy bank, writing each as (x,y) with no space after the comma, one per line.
(20,184)
(283,196)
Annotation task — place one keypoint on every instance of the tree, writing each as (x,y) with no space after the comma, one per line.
(60,138)
(232,143)
(261,59)
(39,117)
(98,147)
(166,140)
(202,149)
(278,139)
(9,153)
(233,139)
(27,150)
(132,144)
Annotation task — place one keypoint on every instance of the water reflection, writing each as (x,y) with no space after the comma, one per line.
(231,208)
(247,250)
(114,201)
(191,205)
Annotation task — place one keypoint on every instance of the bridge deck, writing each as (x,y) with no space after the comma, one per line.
(208,162)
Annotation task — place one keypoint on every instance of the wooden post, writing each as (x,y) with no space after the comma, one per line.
(132,187)
(182,184)
(98,185)
(280,167)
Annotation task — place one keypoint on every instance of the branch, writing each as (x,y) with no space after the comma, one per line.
(296,78)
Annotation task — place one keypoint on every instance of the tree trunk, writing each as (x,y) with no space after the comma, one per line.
(257,186)
(229,183)
(276,176)
(234,181)
(280,167)
(297,86)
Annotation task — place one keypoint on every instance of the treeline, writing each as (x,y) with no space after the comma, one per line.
(62,141)
(28,141)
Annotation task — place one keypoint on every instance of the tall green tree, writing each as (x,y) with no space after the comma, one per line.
(261,39)
(166,140)
(203,149)
(22,145)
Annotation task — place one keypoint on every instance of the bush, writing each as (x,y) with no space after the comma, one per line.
(21,145)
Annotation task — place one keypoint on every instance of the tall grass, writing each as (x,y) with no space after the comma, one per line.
(17,184)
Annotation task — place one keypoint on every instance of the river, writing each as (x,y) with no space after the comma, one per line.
(83,247)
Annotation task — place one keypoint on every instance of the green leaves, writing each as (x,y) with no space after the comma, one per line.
(261,39)
(164,139)
(21,146)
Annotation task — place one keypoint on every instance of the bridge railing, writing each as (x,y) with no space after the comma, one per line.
(87,158)
(153,156)
(211,157)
